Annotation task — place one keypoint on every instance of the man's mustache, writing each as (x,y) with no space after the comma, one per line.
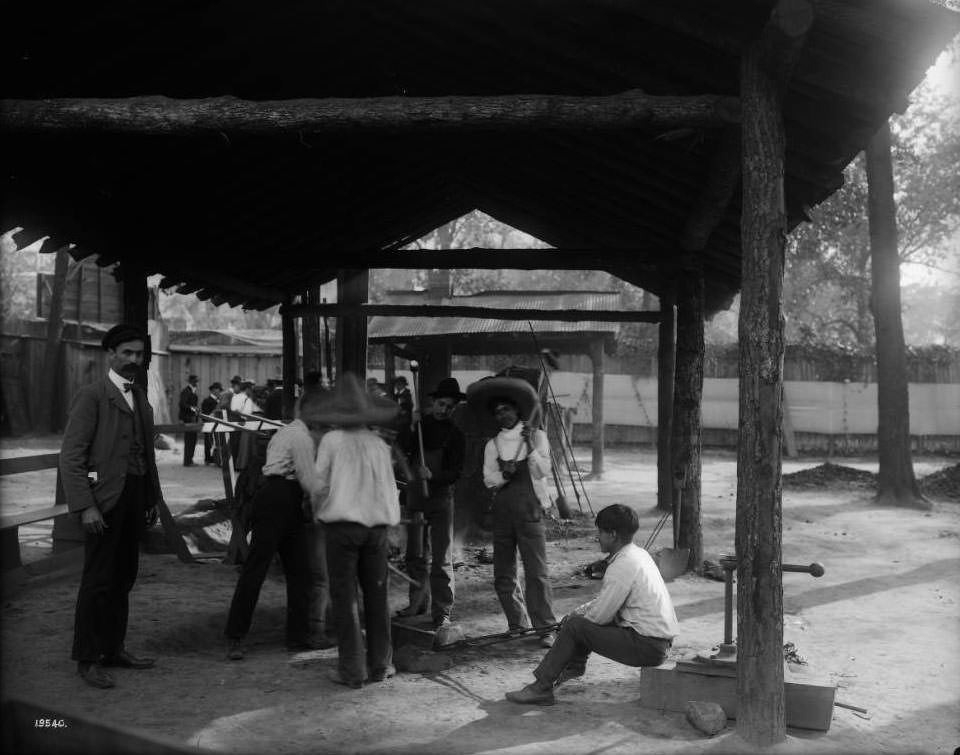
(131,370)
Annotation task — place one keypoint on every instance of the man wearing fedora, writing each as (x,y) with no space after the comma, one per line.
(208,406)
(189,399)
(356,502)
(109,475)
(516,465)
(431,495)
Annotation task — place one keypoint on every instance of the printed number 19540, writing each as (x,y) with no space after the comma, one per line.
(49,723)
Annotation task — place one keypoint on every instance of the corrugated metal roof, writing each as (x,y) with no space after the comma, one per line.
(394,328)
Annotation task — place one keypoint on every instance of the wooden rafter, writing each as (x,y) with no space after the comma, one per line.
(488,313)
(164,115)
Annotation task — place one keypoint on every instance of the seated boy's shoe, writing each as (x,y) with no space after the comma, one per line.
(234,650)
(337,678)
(123,659)
(381,674)
(532,694)
(568,673)
(95,675)
(547,640)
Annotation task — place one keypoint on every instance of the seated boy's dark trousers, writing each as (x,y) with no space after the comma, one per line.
(278,527)
(579,637)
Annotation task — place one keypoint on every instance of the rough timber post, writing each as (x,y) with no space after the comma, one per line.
(288,361)
(596,359)
(666,361)
(352,329)
(688,391)
(760,692)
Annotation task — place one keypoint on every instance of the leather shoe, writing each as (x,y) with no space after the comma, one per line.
(123,659)
(547,640)
(382,674)
(532,694)
(96,676)
(323,643)
(234,650)
(337,678)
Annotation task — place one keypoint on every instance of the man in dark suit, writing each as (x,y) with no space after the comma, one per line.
(208,406)
(188,413)
(109,475)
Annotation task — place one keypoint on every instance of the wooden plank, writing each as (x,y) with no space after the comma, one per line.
(35,463)
(28,517)
(165,115)
(808,704)
(488,313)
(479,258)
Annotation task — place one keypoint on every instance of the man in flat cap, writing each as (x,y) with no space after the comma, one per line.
(189,399)
(109,476)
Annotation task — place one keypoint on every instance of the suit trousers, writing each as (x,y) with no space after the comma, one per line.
(110,563)
(278,527)
(357,553)
(189,447)
(579,637)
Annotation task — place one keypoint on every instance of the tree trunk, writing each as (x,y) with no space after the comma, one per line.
(760,692)
(666,364)
(288,333)
(597,360)
(136,299)
(51,362)
(688,394)
(896,485)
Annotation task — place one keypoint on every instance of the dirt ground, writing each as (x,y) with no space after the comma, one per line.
(881,624)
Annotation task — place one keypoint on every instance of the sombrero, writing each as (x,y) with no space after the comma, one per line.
(518,390)
(349,405)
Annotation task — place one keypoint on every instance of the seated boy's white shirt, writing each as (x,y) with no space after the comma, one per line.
(633,595)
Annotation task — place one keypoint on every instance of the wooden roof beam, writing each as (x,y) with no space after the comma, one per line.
(484,313)
(164,115)
(478,258)
(199,277)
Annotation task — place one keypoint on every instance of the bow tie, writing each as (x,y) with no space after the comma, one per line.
(127,387)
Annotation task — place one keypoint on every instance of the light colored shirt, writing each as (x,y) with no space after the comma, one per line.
(290,455)
(633,595)
(120,381)
(356,479)
(509,445)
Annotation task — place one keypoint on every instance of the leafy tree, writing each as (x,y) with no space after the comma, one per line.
(828,282)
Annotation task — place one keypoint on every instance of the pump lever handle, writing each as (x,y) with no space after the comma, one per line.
(815,569)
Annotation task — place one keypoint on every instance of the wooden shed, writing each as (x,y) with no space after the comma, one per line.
(250,152)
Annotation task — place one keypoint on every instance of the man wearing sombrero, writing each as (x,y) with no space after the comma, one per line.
(443,450)
(357,501)
(516,464)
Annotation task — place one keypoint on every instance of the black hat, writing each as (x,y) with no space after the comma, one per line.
(193,379)
(121,334)
(235,380)
(448,388)
(216,387)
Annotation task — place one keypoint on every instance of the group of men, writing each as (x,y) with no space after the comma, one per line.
(243,399)
(329,495)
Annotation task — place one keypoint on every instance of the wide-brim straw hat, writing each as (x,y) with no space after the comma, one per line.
(518,390)
(349,405)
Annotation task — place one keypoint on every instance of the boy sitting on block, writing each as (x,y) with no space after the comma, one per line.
(631,620)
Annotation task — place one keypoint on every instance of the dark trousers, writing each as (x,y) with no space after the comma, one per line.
(356,553)
(189,447)
(208,448)
(321,609)
(579,637)
(436,533)
(278,527)
(510,534)
(110,563)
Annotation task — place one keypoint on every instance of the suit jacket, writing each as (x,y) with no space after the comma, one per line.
(188,402)
(209,404)
(97,443)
